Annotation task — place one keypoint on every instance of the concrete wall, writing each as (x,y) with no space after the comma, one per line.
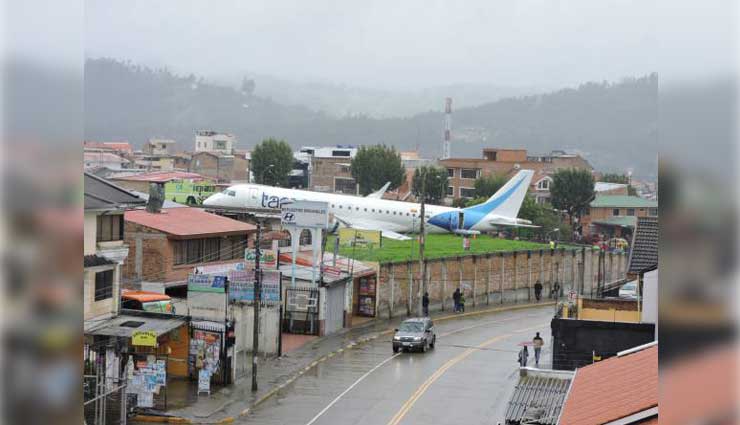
(489,279)
(268,339)
(91,232)
(102,308)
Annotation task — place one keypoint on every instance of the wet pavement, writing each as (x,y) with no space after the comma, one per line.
(466,379)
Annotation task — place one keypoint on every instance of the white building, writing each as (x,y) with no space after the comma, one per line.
(215,142)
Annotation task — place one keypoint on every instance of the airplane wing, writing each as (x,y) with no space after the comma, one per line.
(509,223)
(378,194)
(386,230)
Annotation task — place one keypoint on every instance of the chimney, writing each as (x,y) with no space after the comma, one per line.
(156,197)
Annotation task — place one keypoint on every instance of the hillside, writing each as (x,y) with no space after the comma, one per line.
(613,125)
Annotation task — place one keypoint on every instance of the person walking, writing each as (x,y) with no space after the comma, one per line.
(462,302)
(456,299)
(523,355)
(425,304)
(537,342)
(556,290)
(538,290)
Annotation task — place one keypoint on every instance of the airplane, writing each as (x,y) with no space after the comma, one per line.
(392,218)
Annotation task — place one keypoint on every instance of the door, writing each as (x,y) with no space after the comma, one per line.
(334,319)
(460,220)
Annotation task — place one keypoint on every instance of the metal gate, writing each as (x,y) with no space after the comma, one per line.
(334,319)
(301,311)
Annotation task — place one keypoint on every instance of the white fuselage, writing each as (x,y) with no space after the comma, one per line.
(397,216)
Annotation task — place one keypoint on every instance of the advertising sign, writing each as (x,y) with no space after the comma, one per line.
(206,283)
(349,236)
(144,338)
(219,269)
(305,214)
(241,286)
(268,258)
(204,381)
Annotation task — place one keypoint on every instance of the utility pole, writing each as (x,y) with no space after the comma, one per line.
(256,305)
(422,283)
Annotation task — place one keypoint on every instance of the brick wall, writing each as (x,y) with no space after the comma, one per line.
(480,277)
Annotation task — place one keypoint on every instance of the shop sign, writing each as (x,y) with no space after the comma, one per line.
(349,236)
(219,269)
(241,286)
(206,283)
(268,258)
(144,338)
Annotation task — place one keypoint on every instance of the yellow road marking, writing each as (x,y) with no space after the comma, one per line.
(439,372)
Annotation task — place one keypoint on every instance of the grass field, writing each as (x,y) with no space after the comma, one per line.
(437,245)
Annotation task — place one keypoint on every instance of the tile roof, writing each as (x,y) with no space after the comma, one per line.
(102,194)
(644,254)
(613,388)
(188,222)
(162,176)
(539,395)
(622,201)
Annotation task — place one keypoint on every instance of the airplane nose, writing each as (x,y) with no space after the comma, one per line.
(212,200)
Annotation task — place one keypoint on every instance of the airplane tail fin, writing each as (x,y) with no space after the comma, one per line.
(508,199)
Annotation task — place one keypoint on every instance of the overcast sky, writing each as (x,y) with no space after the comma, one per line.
(418,43)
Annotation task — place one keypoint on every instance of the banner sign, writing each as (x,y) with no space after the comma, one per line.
(268,258)
(206,283)
(145,338)
(305,214)
(219,269)
(349,236)
(241,286)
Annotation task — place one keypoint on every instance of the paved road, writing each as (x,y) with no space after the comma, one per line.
(466,379)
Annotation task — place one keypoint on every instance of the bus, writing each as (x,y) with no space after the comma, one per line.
(189,192)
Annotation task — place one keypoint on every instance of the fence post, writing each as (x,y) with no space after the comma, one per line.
(514,276)
(488,279)
(392,278)
(410,266)
(529,275)
(475,276)
(501,280)
(444,283)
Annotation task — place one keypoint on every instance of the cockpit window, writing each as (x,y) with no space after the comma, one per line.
(229,192)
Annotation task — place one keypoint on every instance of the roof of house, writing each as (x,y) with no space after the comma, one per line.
(103,157)
(622,201)
(162,176)
(118,146)
(539,395)
(184,223)
(644,253)
(100,194)
(623,221)
(614,388)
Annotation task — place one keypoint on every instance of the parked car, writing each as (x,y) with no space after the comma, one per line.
(628,290)
(147,301)
(415,334)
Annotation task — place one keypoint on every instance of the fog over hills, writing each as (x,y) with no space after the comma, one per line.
(612,123)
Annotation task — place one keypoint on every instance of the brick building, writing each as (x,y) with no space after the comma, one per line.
(506,162)
(616,215)
(220,167)
(330,169)
(166,246)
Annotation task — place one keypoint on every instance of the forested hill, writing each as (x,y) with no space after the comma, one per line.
(613,125)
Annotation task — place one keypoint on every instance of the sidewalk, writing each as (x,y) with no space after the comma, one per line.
(275,373)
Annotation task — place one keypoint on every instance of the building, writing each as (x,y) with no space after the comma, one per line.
(220,167)
(619,390)
(104,247)
(616,215)
(165,247)
(93,160)
(214,142)
(159,147)
(330,169)
(121,148)
(411,161)
(140,181)
(506,162)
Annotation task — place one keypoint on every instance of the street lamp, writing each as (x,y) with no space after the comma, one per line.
(422,274)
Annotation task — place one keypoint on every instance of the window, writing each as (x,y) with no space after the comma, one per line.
(344,185)
(466,192)
(193,251)
(543,184)
(387,212)
(357,208)
(340,153)
(220,144)
(450,172)
(469,173)
(373,209)
(450,191)
(630,211)
(394,213)
(103,285)
(110,228)
(653,212)
(365,209)
(615,212)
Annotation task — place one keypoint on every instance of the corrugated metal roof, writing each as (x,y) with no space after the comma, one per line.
(538,397)
(102,194)
(644,254)
(125,325)
(622,201)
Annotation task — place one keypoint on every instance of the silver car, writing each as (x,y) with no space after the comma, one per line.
(415,334)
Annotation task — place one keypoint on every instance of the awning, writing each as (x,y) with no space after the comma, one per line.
(207,325)
(125,325)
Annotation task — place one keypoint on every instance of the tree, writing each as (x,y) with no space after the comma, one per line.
(619,178)
(272,161)
(571,191)
(486,186)
(374,166)
(436,183)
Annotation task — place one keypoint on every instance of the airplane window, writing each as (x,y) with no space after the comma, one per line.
(231,193)
(340,207)
(408,214)
(373,209)
(394,213)
(332,205)
(365,209)
(357,208)
(387,212)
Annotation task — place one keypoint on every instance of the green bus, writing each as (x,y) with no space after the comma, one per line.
(189,192)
